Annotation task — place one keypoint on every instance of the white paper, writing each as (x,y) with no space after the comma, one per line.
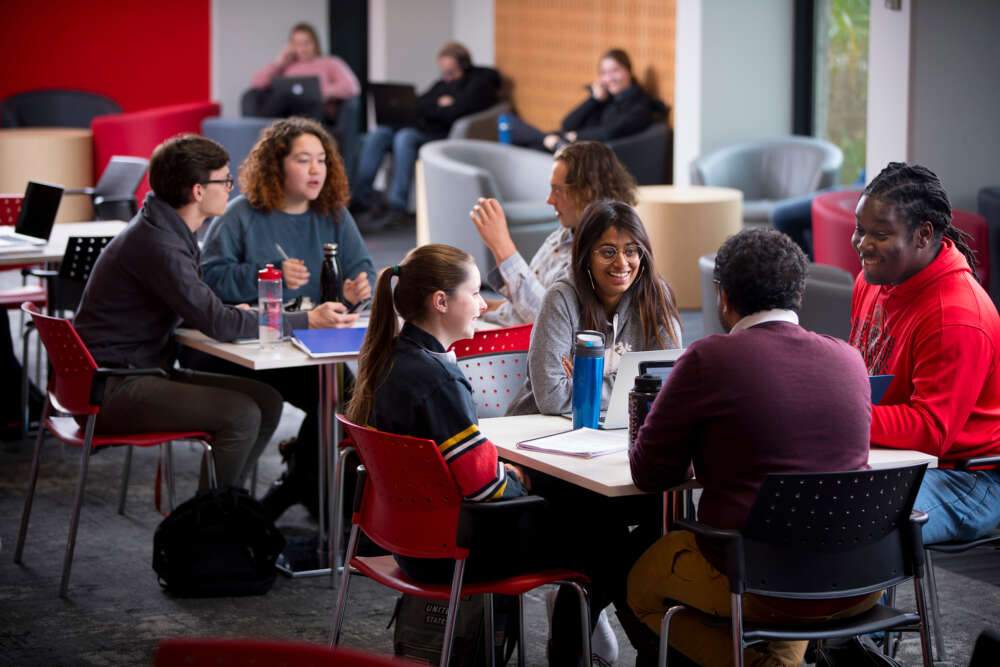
(583,442)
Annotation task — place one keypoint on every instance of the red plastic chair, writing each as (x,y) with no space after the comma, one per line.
(833,226)
(76,388)
(494,362)
(209,652)
(410,505)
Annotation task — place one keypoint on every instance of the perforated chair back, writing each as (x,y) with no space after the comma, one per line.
(494,362)
(74,271)
(72,366)
(10,208)
(832,534)
(410,500)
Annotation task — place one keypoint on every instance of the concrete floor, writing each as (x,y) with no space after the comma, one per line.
(116,612)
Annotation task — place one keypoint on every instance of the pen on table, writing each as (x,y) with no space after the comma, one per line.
(282,252)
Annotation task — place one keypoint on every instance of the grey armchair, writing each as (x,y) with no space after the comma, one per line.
(770,171)
(646,154)
(55,108)
(459,171)
(479,125)
(237,136)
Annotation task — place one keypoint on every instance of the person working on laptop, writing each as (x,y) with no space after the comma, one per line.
(768,397)
(616,107)
(584,172)
(294,189)
(919,314)
(301,57)
(144,284)
(463,89)
(613,287)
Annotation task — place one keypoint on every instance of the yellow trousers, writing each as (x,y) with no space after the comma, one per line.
(675,569)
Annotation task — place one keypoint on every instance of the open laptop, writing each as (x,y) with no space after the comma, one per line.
(303,88)
(38,214)
(395,104)
(628,368)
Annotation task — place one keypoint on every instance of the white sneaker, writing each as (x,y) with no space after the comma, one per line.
(603,643)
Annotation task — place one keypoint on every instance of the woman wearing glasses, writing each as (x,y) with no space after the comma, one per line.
(613,287)
(295,190)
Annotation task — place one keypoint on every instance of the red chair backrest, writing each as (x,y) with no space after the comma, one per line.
(410,500)
(976,227)
(493,361)
(10,208)
(72,366)
(211,652)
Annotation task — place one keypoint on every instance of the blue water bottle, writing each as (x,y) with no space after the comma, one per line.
(503,128)
(588,378)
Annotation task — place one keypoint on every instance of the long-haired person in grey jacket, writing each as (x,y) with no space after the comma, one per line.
(613,287)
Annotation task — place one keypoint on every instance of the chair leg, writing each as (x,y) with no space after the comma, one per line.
(453,602)
(32,480)
(925,641)
(521,629)
(736,614)
(934,606)
(488,628)
(665,633)
(213,481)
(24,385)
(77,503)
(338,614)
(169,460)
(253,481)
(581,593)
(123,488)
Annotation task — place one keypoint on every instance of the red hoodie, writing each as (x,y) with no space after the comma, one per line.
(937,332)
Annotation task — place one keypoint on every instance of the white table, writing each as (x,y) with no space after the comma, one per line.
(330,369)
(54,250)
(609,475)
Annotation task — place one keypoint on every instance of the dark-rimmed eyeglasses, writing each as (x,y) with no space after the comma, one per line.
(227,181)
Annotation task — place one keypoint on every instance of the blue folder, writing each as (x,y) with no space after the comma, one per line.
(879,384)
(329,342)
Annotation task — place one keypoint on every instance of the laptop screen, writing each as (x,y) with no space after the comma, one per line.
(38,210)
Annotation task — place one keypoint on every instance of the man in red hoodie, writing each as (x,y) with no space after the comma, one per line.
(919,313)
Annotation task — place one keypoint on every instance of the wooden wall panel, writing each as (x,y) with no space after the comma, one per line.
(550,49)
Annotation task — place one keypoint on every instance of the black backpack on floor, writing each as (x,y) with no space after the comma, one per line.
(218,543)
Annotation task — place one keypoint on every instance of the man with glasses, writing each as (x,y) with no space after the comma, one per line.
(145,283)
(768,397)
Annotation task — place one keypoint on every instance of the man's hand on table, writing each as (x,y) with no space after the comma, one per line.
(331,315)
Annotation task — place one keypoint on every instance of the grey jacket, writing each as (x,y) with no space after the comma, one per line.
(547,389)
(145,283)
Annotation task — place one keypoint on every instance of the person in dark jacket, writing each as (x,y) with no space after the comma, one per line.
(617,107)
(144,284)
(462,89)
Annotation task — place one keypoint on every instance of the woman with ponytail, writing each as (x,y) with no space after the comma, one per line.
(409,384)
(918,313)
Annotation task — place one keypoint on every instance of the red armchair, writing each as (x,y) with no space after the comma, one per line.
(139,132)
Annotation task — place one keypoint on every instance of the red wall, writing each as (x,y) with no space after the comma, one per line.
(140,54)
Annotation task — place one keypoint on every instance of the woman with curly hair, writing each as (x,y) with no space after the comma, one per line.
(295,190)
(582,173)
(294,193)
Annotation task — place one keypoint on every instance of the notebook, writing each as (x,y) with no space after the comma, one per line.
(329,342)
(879,384)
(304,88)
(582,442)
(38,214)
(395,104)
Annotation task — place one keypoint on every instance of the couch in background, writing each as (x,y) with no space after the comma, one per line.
(139,132)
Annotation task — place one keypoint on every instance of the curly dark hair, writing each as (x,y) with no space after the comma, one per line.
(760,269)
(651,294)
(262,176)
(593,172)
(917,195)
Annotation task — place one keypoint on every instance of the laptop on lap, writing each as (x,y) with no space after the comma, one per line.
(395,104)
(305,89)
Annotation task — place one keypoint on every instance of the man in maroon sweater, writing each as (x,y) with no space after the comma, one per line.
(768,397)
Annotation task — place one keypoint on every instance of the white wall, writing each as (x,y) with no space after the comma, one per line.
(888,132)
(247,34)
(687,89)
(955,113)
(472,25)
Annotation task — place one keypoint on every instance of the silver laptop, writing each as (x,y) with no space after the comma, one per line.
(304,88)
(38,214)
(628,368)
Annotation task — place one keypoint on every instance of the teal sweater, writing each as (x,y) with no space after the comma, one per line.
(242,240)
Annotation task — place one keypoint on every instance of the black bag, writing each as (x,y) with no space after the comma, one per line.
(218,543)
(856,651)
(419,631)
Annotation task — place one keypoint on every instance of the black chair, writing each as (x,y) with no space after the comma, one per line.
(821,536)
(647,155)
(991,538)
(55,108)
(114,194)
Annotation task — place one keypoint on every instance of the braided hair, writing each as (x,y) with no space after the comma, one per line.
(918,196)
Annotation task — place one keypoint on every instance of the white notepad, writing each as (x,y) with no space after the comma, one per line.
(583,442)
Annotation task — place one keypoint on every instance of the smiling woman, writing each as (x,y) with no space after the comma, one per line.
(614,288)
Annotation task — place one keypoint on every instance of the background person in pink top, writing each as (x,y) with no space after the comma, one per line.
(301,56)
